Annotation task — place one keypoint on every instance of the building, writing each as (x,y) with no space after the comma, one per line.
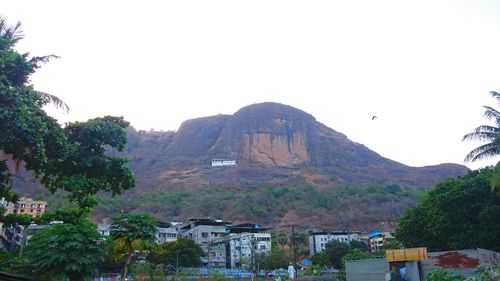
(104,229)
(27,206)
(222,162)
(376,240)
(207,233)
(166,233)
(244,243)
(318,240)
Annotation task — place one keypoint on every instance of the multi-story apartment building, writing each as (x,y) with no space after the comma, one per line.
(207,233)
(165,232)
(318,240)
(376,240)
(244,243)
(27,206)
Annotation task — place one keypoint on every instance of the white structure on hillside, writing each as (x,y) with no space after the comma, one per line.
(318,240)
(223,162)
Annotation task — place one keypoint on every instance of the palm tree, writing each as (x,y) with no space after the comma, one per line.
(9,36)
(486,133)
(131,233)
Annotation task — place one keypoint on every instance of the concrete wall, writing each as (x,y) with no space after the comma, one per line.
(462,262)
(367,270)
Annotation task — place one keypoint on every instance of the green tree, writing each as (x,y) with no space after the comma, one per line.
(362,246)
(352,255)
(321,259)
(86,168)
(336,250)
(455,214)
(275,259)
(486,133)
(74,158)
(392,244)
(65,250)
(27,134)
(182,252)
(24,220)
(132,232)
(72,216)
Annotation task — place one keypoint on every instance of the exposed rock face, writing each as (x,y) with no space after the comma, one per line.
(268,134)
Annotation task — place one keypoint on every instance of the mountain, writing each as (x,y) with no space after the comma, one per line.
(290,169)
(275,143)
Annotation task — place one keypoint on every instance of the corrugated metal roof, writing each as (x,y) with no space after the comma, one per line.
(373,234)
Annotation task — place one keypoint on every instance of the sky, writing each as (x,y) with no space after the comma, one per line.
(424,68)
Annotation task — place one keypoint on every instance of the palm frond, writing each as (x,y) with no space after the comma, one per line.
(43,59)
(57,102)
(492,114)
(483,133)
(481,152)
(13,33)
(495,95)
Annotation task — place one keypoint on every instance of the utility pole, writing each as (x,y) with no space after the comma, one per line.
(252,251)
(177,261)
(294,248)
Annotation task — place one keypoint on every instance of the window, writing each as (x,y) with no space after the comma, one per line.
(262,247)
(204,234)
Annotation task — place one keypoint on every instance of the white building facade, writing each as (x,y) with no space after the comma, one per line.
(318,240)
(244,247)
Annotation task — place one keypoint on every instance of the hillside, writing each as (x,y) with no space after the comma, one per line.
(291,169)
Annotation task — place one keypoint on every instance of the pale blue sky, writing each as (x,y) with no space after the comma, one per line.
(423,67)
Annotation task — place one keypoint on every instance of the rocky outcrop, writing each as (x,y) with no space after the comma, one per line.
(278,143)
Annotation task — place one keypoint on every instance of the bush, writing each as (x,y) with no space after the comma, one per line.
(443,275)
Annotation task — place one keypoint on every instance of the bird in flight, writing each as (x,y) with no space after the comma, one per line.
(374,117)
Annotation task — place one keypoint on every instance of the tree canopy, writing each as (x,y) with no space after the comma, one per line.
(183,252)
(73,158)
(85,168)
(27,134)
(455,214)
(65,250)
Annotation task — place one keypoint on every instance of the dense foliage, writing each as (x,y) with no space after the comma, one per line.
(86,169)
(275,259)
(65,250)
(183,253)
(455,214)
(27,134)
(335,251)
(72,158)
(267,203)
